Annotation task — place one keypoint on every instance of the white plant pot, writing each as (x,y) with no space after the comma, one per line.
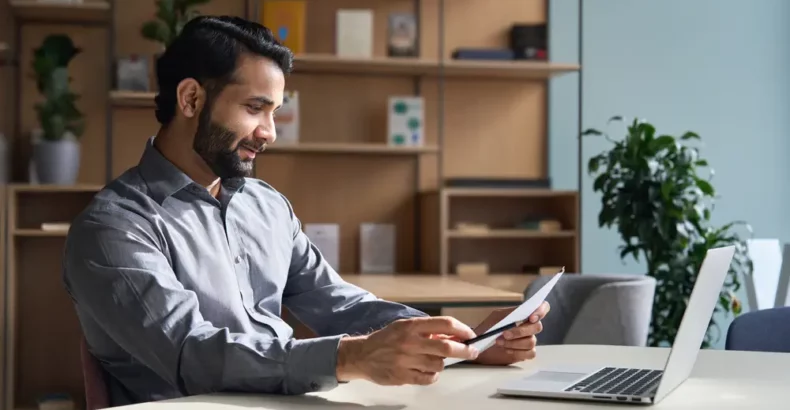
(57,162)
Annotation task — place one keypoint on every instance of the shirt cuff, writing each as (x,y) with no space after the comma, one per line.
(312,364)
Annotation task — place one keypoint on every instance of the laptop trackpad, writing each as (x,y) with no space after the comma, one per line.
(549,380)
(564,378)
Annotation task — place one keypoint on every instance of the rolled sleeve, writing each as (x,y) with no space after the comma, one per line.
(122,283)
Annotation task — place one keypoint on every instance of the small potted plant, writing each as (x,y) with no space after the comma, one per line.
(56,149)
(171,16)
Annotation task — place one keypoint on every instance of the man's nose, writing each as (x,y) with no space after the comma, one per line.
(267,134)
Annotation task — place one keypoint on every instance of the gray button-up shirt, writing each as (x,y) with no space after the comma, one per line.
(180,293)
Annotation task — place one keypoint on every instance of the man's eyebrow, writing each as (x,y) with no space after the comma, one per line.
(262,100)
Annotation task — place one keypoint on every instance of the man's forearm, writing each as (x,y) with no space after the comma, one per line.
(222,361)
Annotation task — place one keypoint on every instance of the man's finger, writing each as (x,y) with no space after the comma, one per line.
(522,331)
(445,348)
(425,363)
(525,343)
(444,325)
(540,312)
(522,355)
(421,378)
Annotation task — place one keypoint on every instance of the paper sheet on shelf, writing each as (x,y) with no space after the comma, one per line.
(520,313)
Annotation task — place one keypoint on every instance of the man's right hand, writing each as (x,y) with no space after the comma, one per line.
(408,351)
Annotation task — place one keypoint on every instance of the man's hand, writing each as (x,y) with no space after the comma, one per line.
(408,351)
(514,345)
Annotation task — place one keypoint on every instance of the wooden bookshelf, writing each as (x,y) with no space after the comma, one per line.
(508,238)
(88,11)
(38,307)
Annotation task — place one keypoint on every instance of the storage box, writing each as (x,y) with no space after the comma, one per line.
(405,120)
(286,120)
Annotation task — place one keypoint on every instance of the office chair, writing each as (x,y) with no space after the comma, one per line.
(96,395)
(766,330)
(606,309)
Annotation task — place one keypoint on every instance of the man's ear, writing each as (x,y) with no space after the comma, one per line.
(190,97)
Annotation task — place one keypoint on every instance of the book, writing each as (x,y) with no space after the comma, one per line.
(286,20)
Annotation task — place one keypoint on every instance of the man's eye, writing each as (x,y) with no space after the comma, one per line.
(255,109)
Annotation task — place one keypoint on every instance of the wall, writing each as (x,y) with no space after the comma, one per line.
(718,67)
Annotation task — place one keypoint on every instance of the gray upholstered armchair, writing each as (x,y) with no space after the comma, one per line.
(597,309)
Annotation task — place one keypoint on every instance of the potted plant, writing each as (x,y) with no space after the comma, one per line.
(171,16)
(56,149)
(654,192)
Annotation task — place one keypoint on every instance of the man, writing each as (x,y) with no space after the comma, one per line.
(179,268)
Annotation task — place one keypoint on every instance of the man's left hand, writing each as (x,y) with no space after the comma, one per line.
(514,345)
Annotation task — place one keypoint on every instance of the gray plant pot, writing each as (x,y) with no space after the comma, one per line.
(57,162)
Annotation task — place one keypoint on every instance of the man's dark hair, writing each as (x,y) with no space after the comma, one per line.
(208,50)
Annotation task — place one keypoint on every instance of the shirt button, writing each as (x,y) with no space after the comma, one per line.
(238,259)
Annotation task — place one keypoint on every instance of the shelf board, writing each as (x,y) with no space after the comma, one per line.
(349,148)
(331,64)
(59,12)
(132,98)
(508,192)
(40,233)
(510,233)
(535,70)
(55,188)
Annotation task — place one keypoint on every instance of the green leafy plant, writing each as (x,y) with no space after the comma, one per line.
(57,113)
(654,192)
(171,16)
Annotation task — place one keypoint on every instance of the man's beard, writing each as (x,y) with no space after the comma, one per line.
(215,144)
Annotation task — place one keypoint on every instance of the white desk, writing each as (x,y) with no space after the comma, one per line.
(721,380)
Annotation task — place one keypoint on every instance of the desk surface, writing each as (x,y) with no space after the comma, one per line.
(720,380)
(431,289)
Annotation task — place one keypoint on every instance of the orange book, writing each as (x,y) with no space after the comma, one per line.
(286,19)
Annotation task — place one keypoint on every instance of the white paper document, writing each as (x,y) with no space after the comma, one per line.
(520,313)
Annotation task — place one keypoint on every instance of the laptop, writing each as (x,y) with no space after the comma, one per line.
(636,385)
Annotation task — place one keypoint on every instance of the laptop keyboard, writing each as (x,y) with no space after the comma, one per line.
(620,381)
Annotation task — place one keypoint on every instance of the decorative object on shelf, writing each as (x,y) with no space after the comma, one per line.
(377,248)
(55,226)
(549,225)
(286,19)
(549,270)
(286,122)
(326,237)
(56,150)
(483,54)
(402,41)
(354,33)
(405,121)
(171,16)
(55,401)
(471,269)
(653,192)
(528,42)
(472,227)
(132,74)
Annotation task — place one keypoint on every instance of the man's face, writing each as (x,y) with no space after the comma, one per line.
(239,122)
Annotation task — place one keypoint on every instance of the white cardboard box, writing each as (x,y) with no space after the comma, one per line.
(377,248)
(406,121)
(286,119)
(354,33)
(326,237)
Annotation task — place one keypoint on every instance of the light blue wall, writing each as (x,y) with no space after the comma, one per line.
(717,67)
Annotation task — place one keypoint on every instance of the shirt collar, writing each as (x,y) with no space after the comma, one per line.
(165,179)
